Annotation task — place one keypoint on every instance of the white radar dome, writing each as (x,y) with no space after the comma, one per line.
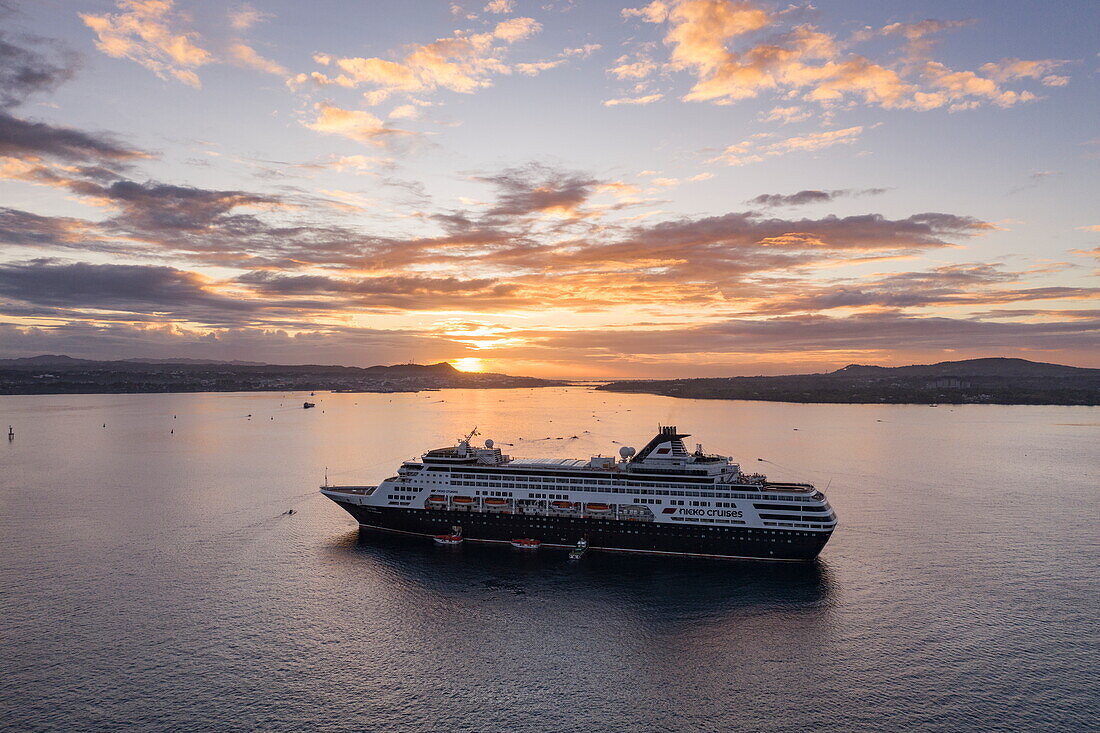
(489,443)
(626,452)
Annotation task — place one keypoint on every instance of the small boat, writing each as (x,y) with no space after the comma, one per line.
(496,502)
(562,504)
(448,539)
(597,507)
(526,544)
(436,499)
(463,500)
(307,405)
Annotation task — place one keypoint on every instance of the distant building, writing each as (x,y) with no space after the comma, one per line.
(947,383)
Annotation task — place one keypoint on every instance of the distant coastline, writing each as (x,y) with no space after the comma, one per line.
(994,381)
(65,375)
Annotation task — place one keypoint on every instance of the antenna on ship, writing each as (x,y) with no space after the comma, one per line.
(11,433)
(326,476)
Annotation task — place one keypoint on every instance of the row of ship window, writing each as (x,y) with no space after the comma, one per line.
(634,490)
(659,529)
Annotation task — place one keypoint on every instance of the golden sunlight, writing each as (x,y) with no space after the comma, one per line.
(468,364)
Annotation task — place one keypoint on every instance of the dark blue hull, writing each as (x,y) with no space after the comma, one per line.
(602,534)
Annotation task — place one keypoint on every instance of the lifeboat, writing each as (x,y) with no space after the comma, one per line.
(463,500)
(526,544)
(448,539)
(597,507)
(435,499)
(562,504)
(496,502)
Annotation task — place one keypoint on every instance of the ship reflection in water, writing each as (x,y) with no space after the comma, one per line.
(668,590)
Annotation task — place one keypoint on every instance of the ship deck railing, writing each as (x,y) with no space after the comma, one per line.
(360,490)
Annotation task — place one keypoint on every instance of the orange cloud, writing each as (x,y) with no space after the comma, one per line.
(752,151)
(353,124)
(804,62)
(246,56)
(646,99)
(145,32)
(462,63)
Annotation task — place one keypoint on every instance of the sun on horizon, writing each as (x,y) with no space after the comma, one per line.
(468,364)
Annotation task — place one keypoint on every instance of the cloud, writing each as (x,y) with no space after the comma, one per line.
(500,6)
(632,69)
(280,345)
(582,51)
(140,288)
(537,189)
(402,292)
(246,56)
(151,33)
(892,334)
(537,67)
(754,150)
(462,63)
(24,229)
(810,196)
(718,43)
(948,285)
(25,72)
(405,112)
(1013,68)
(516,29)
(646,99)
(786,115)
(353,124)
(22,138)
(245,16)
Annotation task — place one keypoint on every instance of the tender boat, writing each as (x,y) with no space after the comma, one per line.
(526,544)
(448,539)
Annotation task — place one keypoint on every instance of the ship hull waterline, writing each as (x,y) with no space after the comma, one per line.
(651,538)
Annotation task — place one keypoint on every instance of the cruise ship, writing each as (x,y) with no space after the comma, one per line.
(660,500)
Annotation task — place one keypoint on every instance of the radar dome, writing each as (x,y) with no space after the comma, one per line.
(626,452)
(489,443)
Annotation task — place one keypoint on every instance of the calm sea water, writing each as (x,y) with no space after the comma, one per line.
(151,580)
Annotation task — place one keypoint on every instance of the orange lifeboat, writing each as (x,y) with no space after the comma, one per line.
(464,500)
(448,539)
(526,544)
(597,507)
(496,502)
(436,499)
(562,505)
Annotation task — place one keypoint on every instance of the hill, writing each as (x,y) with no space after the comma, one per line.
(993,380)
(56,374)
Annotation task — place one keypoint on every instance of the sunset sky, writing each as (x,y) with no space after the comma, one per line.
(551,187)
